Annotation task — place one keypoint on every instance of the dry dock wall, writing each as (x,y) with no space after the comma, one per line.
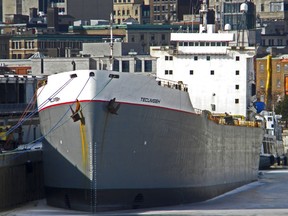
(21,178)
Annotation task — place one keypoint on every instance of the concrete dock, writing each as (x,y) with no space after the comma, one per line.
(267,196)
(21,178)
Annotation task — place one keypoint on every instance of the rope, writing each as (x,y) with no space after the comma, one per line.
(59,123)
(22,120)
(56,126)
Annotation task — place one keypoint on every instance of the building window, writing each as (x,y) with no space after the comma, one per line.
(236,101)
(208,58)
(237,87)
(191,72)
(18,6)
(261,68)
(125,66)
(278,83)
(61,10)
(276,6)
(237,72)
(261,84)
(148,66)
(138,65)
(168,72)
(168,58)
(278,68)
(116,65)
(271,42)
(212,72)
(286,67)
(262,8)
(195,58)
(237,58)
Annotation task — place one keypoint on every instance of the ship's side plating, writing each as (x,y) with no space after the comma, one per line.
(151,150)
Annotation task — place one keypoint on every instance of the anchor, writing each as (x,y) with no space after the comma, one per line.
(77,114)
(113,107)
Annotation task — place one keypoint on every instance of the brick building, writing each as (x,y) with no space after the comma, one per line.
(271,86)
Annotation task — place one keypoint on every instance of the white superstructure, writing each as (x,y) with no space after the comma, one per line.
(219,73)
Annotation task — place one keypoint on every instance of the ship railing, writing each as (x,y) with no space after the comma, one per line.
(172,84)
(234,121)
(240,122)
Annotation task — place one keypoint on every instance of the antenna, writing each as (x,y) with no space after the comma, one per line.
(243,24)
(192,20)
(111,42)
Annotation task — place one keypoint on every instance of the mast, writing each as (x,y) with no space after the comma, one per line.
(111,42)
(204,11)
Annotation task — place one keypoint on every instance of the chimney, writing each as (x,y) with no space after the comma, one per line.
(33,12)
(52,18)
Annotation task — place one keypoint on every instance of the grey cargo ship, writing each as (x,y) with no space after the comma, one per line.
(122,141)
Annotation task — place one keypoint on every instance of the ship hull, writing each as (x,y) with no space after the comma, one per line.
(173,163)
(143,156)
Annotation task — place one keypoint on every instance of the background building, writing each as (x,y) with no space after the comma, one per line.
(145,35)
(135,9)
(19,7)
(187,7)
(163,11)
(49,45)
(79,9)
(272,9)
(272,85)
(85,9)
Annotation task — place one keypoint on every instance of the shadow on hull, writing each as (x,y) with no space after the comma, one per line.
(124,199)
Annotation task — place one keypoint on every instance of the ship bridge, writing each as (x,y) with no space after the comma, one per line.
(197,43)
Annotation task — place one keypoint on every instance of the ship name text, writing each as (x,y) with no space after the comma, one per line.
(150,100)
